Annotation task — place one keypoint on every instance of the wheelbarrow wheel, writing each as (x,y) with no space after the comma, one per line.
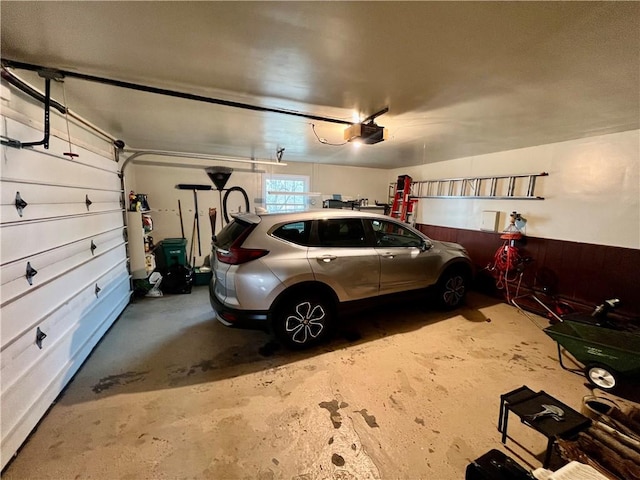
(601,376)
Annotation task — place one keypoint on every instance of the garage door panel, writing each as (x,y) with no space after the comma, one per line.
(24,404)
(20,286)
(27,164)
(52,212)
(16,270)
(35,194)
(19,356)
(47,201)
(57,147)
(27,238)
(58,318)
(42,301)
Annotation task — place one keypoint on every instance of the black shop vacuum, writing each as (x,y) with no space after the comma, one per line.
(177,279)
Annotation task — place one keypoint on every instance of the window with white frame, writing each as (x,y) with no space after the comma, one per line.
(286,193)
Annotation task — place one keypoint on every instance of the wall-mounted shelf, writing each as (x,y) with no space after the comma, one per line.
(140,263)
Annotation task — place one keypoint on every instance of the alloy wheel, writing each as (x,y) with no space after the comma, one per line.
(453,291)
(306,324)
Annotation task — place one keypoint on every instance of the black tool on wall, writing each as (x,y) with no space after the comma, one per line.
(196,219)
(180,213)
(219,176)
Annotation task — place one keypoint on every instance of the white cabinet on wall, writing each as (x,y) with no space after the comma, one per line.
(63,271)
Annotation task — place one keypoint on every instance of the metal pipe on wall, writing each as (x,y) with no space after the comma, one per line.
(36,94)
(202,156)
(174,93)
(25,87)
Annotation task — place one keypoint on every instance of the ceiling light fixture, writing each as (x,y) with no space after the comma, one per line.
(367,132)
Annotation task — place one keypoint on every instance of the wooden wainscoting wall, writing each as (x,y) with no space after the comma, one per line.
(582,273)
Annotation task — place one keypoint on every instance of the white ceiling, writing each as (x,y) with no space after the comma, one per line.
(459,78)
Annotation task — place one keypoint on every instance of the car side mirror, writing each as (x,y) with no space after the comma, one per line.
(426,245)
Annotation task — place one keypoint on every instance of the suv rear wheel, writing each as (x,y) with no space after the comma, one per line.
(303,320)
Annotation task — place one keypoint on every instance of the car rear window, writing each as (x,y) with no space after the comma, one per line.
(296,232)
(230,233)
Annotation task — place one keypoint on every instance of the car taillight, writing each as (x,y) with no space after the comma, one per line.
(237,255)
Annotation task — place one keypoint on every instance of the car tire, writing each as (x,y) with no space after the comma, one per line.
(452,288)
(605,378)
(303,320)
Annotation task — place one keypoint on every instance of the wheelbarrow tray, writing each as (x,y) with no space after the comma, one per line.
(593,344)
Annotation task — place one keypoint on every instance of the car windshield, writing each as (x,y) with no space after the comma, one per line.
(229,234)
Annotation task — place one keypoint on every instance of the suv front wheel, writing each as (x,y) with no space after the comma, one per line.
(303,320)
(452,288)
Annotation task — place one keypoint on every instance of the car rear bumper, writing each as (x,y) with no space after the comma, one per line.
(232,317)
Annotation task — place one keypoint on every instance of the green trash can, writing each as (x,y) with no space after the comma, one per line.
(172,251)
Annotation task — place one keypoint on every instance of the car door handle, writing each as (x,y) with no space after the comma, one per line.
(327,258)
(388,255)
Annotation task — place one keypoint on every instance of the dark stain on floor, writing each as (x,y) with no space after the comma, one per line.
(333,407)
(516,358)
(106,383)
(370,419)
(352,336)
(204,366)
(269,349)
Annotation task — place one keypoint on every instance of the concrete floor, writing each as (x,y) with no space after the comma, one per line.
(402,392)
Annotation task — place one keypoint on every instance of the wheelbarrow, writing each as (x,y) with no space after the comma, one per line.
(610,354)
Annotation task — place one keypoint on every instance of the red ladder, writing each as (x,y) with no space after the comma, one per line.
(402,207)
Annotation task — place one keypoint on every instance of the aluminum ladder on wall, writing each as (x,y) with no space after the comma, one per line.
(503,187)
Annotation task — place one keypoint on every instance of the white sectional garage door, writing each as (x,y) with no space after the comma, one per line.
(63,268)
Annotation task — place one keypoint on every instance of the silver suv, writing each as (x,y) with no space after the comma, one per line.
(290,272)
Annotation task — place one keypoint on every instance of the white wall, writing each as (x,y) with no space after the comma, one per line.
(158,176)
(592,193)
